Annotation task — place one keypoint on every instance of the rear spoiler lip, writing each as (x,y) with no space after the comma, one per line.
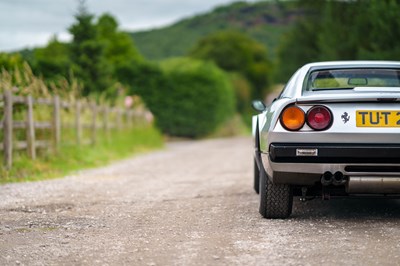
(346,98)
(377,89)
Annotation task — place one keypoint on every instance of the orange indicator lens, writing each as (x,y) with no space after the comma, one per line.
(292,118)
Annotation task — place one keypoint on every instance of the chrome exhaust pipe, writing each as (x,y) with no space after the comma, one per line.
(373,185)
(327,178)
(338,179)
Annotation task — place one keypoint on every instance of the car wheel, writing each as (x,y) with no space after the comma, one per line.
(276,200)
(256,178)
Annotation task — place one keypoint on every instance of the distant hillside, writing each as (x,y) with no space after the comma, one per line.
(265,21)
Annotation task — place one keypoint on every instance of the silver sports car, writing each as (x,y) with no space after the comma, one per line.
(333,131)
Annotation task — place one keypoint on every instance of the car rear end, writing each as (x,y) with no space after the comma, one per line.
(345,140)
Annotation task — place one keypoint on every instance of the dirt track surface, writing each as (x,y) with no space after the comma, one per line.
(191,204)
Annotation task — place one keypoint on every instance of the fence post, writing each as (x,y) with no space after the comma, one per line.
(8,128)
(30,128)
(119,118)
(106,125)
(94,124)
(56,122)
(129,118)
(78,127)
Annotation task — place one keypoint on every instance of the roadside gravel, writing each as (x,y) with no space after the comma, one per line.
(190,204)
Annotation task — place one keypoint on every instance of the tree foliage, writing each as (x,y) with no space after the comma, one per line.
(379,29)
(52,61)
(10,61)
(87,53)
(97,50)
(264,21)
(238,53)
(341,30)
(118,46)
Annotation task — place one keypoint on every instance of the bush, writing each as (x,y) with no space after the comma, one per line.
(144,79)
(199,99)
(188,98)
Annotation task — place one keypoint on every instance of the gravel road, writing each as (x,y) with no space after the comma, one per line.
(190,204)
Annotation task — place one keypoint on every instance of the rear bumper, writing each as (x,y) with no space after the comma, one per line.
(304,164)
(335,153)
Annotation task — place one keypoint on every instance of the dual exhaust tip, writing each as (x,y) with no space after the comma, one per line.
(389,184)
(336,179)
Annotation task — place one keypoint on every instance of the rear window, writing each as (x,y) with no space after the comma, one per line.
(351,78)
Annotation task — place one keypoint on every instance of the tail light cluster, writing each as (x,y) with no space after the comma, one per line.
(317,117)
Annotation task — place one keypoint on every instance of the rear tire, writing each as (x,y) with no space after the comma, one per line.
(256,178)
(276,200)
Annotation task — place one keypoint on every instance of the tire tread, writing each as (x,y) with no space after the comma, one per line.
(276,200)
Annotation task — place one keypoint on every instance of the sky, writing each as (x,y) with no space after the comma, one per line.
(31,23)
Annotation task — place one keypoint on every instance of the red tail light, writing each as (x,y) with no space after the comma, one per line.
(319,118)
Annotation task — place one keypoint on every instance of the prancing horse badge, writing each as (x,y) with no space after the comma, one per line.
(345,117)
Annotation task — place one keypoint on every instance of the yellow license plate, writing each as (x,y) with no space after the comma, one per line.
(381,118)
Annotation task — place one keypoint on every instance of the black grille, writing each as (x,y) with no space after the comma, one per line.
(336,153)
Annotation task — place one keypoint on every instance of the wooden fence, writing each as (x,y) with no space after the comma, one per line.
(100,118)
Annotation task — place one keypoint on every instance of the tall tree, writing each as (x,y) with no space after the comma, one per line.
(342,30)
(297,47)
(87,53)
(338,40)
(118,46)
(378,29)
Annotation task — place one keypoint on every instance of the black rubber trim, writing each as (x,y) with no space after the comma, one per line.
(257,148)
(374,168)
(336,153)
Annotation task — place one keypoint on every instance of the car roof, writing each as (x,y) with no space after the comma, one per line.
(352,64)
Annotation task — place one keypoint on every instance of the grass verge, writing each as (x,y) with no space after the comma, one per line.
(72,158)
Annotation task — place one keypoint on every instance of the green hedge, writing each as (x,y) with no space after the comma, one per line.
(200,97)
(189,98)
